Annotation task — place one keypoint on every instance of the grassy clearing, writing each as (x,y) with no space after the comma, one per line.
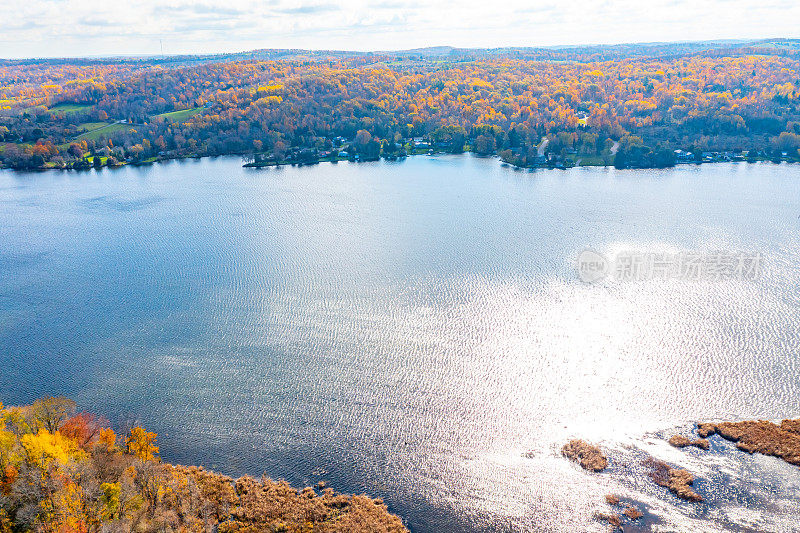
(107,130)
(178,116)
(590,160)
(68,108)
(91,126)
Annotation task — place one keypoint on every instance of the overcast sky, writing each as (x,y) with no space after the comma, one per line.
(57,28)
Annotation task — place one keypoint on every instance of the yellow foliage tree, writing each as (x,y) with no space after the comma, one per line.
(141,443)
(65,511)
(107,440)
(43,448)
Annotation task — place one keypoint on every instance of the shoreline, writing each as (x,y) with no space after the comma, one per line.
(124,484)
(400,158)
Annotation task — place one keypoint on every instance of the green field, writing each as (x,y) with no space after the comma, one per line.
(91,126)
(178,116)
(106,130)
(67,108)
(587,160)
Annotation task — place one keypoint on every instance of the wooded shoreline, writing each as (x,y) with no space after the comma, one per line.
(67,471)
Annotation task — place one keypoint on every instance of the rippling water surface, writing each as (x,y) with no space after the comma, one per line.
(415,330)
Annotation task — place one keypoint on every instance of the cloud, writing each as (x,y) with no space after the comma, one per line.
(22,25)
(210,25)
(97,27)
(544,8)
(308,9)
(199,9)
(98,22)
(394,5)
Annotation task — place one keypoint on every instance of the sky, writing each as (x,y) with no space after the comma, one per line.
(69,28)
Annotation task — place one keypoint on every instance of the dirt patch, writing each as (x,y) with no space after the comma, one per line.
(761,436)
(588,456)
(677,480)
(611,499)
(679,441)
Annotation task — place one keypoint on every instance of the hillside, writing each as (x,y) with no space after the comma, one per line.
(632,106)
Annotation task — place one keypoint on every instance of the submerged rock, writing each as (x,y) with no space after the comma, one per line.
(677,480)
(679,441)
(588,456)
(760,436)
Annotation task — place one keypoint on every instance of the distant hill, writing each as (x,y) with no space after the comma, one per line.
(583,52)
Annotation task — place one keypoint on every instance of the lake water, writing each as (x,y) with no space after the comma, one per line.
(415,330)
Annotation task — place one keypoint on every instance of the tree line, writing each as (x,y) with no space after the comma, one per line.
(645,107)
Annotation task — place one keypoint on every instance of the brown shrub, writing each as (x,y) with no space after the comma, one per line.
(588,456)
(632,512)
(613,519)
(792,426)
(705,430)
(679,441)
(761,436)
(267,505)
(677,480)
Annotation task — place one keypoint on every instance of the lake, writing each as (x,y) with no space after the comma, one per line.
(416,330)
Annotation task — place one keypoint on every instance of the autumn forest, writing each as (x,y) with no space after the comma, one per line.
(68,472)
(630,106)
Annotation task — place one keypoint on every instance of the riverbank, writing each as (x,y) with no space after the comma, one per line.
(92,162)
(581,162)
